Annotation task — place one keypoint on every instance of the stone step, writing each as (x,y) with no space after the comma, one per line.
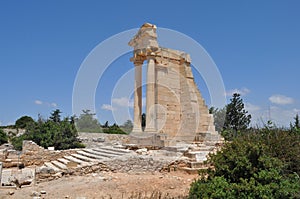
(196,165)
(199,156)
(63,160)
(59,164)
(76,160)
(84,158)
(104,154)
(114,149)
(91,155)
(192,170)
(50,165)
(109,151)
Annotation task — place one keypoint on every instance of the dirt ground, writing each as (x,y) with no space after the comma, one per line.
(108,185)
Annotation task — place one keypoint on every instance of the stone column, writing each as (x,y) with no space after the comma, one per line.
(150,100)
(137,123)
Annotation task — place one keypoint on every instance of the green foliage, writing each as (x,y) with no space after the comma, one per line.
(61,134)
(219,117)
(87,123)
(55,116)
(258,164)
(297,123)
(237,118)
(114,129)
(3,137)
(23,121)
(127,126)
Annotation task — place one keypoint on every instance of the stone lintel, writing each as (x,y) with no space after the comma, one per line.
(146,38)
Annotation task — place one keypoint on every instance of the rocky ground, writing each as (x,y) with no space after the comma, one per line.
(108,185)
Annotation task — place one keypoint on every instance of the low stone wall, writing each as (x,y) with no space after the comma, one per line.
(3,154)
(92,140)
(136,163)
(33,154)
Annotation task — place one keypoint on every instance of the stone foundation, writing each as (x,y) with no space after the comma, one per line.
(33,154)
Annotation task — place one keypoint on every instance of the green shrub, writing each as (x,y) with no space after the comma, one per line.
(258,164)
(55,132)
(3,137)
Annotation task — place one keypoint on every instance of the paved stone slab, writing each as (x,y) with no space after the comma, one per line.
(73,159)
(104,154)
(59,164)
(50,165)
(90,155)
(109,151)
(84,158)
(64,161)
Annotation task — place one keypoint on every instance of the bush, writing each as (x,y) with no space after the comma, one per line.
(3,137)
(114,129)
(61,134)
(23,122)
(257,164)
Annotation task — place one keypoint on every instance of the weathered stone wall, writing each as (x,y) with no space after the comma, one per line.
(92,140)
(33,154)
(181,111)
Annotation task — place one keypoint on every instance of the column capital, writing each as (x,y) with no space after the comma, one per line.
(138,62)
(150,55)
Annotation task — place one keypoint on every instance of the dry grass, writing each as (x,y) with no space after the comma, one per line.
(153,195)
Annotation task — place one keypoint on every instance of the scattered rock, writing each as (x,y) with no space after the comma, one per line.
(35,194)
(43,192)
(45,170)
(142,151)
(11,193)
(58,175)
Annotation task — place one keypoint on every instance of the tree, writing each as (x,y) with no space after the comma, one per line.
(23,121)
(127,126)
(3,137)
(61,134)
(237,118)
(297,123)
(105,125)
(87,123)
(55,115)
(114,129)
(219,117)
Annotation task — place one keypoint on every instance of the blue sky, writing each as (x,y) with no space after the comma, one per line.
(255,45)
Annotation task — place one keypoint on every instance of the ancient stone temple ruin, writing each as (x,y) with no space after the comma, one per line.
(175,109)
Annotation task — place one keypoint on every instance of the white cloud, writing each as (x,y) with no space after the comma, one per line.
(242,91)
(38,102)
(53,104)
(296,110)
(251,107)
(279,115)
(107,107)
(123,101)
(281,100)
